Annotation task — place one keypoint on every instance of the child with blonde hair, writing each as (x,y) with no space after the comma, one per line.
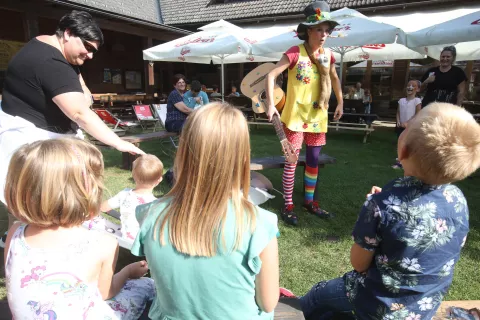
(204,240)
(54,267)
(147,172)
(409,234)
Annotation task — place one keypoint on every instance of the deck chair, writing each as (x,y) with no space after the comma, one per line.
(109,118)
(100,223)
(145,116)
(161,111)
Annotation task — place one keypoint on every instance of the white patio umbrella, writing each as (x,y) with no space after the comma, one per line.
(463,32)
(219,42)
(355,38)
(381,64)
(375,52)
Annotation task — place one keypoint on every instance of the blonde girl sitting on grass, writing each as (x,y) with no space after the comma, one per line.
(55,268)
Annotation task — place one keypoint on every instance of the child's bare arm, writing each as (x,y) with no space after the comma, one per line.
(110,284)
(267,281)
(360,258)
(108,266)
(418,107)
(105,207)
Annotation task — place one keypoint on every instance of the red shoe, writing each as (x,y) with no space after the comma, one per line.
(314,209)
(289,216)
(285,293)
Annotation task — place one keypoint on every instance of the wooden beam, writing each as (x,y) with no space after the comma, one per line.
(148,68)
(407,74)
(30,23)
(470,79)
(367,79)
(41,9)
(468,71)
(344,74)
(241,70)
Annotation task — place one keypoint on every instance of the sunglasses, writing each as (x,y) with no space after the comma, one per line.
(88,46)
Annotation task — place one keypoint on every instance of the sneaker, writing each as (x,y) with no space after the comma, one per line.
(289,216)
(397,165)
(285,293)
(3,240)
(314,209)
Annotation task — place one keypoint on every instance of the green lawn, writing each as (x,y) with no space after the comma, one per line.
(306,255)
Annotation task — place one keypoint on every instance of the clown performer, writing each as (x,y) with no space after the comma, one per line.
(311,76)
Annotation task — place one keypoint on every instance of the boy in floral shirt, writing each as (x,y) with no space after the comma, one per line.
(409,233)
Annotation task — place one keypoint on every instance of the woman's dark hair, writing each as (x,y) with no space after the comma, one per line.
(177,78)
(80,24)
(451,49)
(196,86)
(215,87)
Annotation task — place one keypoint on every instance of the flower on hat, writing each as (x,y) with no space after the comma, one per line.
(318,16)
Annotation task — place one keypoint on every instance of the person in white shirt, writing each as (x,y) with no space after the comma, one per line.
(147,172)
(359,92)
(408,107)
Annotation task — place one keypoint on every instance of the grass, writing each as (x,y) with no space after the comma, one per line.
(306,254)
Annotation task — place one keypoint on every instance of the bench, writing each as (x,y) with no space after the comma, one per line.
(367,128)
(442,311)
(288,309)
(354,121)
(278,162)
(127,158)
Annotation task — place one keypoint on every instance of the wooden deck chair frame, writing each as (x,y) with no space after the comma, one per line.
(109,118)
(161,112)
(145,116)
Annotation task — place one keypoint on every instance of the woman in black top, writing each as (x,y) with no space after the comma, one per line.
(44,95)
(445,83)
(44,86)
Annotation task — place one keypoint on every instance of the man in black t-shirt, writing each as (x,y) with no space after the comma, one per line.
(445,83)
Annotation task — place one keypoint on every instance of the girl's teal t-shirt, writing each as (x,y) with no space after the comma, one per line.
(219,287)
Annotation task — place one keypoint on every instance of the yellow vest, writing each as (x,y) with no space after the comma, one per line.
(303,109)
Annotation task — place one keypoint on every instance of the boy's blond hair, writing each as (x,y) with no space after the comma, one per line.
(444,142)
(147,170)
(55,182)
(212,171)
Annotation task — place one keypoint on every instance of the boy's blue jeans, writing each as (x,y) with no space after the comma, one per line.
(325,300)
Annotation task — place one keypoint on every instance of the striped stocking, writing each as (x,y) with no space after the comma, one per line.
(311,171)
(288,180)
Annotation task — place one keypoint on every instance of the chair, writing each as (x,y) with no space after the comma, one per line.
(145,116)
(161,111)
(109,118)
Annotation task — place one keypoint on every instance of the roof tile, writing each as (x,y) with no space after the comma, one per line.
(199,11)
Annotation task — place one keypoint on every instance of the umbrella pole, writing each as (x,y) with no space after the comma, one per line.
(223,85)
(342,53)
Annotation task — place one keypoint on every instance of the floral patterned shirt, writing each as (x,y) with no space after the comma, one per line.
(417,232)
